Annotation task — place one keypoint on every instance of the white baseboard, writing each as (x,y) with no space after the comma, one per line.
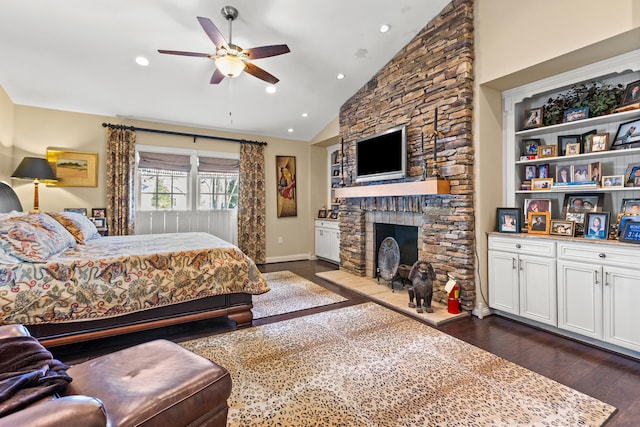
(297,257)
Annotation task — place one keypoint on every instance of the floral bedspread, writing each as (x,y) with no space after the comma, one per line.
(116,275)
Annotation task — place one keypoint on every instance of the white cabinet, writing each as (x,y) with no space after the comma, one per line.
(598,286)
(522,277)
(328,240)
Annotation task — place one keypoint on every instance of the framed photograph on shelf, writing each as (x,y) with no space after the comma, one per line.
(541,183)
(586,140)
(598,142)
(631,94)
(322,213)
(596,225)
(98,212)
(564,174)
(333,215)
(633,171)
(630,206)
(531,146)
(578,219)
(508,220)
(613,181)
(581,172)
(563,140)
(536,205)
(572,149)
(594,172)
(628,135)
(538,222)
(100,223)
(562,227)
(573,114)
(543,171)
(578,203)
(530,172)
(532,118)
(82,211)
(546,151)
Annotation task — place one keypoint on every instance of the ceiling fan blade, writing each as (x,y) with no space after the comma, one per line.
(214,34)
(179,52)
(266,51)
(216,77)
(260,73)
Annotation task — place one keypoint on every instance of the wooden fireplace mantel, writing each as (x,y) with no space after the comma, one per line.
(414,188)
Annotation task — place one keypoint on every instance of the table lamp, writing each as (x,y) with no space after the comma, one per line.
(34,168)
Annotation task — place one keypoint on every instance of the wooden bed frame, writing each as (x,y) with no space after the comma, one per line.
(236,307)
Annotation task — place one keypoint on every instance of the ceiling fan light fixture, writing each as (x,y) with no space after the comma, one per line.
(229,65)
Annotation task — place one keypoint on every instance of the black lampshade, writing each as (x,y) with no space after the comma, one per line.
(34,168)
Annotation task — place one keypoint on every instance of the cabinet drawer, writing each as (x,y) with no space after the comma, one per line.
(516,245)
(333,225)
(624,256)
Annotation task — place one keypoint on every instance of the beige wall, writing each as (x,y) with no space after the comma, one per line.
(35,129)
(514,48)
(6,137)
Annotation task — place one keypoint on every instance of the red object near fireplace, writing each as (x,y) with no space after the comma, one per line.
(453,304)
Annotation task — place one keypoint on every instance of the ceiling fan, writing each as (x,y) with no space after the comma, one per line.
(231,60)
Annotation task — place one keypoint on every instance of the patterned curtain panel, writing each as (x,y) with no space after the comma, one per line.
(121,158)
(251,203)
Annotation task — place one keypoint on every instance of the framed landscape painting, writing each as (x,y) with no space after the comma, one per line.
(73,168)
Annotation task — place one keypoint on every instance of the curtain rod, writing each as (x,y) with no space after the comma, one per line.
(193,135)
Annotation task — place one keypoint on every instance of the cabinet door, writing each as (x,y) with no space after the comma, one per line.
(334,245)
(322,242)
(503,282)
(538,294)
(580,298)
(621,315)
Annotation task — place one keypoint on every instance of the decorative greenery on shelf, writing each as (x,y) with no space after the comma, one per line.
(599,97)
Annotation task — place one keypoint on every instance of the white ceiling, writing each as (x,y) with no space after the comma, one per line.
(79,55)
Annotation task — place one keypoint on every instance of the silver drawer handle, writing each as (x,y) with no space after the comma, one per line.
(518,246)
(601,255)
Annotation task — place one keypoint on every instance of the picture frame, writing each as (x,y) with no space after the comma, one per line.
(573,114)
(98,212)
(598,142)
(508,220)
(543,170)
(630,233)
(286,187)
(611,181)
(633,171)
(546,151)
(563,140)
(538,222)
(531,146)
(582,202)
(564,174)
(100,223)
(572,149)
(73,168)
(586,140)
(627,136)
(631,94)
(595,172)
(581,173)
(630,206)
(578,219)
(543,184)
(536,205)
(333,215)
(624,219)
(530,172)
(532,118)
(562,228)
(82,211)
(322,213)
(596,225)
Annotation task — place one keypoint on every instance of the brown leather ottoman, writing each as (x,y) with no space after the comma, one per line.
(157,383)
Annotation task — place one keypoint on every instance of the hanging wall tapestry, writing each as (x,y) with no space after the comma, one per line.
(286,181)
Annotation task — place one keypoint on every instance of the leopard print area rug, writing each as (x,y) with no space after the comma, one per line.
(290,292)
(366,365)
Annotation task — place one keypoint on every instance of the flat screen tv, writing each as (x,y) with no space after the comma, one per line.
(382,156)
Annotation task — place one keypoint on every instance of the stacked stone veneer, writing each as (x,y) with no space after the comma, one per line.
(434,70)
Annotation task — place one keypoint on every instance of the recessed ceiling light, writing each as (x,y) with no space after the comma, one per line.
(271,89)
(290,130)
(141,60)
(384,28)
(340,76)
(305,115)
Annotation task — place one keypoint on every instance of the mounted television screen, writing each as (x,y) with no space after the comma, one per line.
(382,156)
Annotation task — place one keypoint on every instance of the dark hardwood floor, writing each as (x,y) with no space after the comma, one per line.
(610,377)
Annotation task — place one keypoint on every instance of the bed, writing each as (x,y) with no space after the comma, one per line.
(70,284)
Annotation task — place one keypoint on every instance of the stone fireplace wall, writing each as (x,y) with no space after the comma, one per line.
(434,70)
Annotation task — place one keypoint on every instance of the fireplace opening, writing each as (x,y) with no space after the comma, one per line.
(407,238)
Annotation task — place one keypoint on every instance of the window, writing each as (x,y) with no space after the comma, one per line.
(163,189)
(218,191)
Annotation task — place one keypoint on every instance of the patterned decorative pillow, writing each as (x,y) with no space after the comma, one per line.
(34,237)
(80,227)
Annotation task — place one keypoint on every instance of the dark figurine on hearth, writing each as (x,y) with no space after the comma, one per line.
(421,277)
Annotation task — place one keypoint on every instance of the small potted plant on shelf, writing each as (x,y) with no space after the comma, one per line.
(600,98)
